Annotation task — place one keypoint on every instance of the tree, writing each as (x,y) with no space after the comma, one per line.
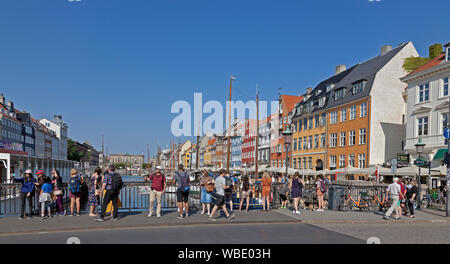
(72,152)
(412,63)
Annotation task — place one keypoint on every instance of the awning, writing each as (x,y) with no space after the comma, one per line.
(440,154)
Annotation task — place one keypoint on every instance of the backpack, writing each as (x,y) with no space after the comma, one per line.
(116,183)
(183,179)
(75,184)
(229,183)
(323,187)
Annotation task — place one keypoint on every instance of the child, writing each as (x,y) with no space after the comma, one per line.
(45,197)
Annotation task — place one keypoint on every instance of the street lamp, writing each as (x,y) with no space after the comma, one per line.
(287,134)
(420,149)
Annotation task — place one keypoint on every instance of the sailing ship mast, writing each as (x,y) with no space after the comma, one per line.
(232,78)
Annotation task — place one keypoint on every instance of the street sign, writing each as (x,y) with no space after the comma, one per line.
(447,132)
(420,161)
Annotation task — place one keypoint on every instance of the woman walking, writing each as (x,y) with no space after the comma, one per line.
(26,193)
(245,193)
(94,192)
(320,192)
(207,187)
(58,192)
(266,183)
(75,191)
(296,185)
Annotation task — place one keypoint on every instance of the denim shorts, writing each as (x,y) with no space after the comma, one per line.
(205,197)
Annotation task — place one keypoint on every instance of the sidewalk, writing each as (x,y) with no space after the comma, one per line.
(13,226)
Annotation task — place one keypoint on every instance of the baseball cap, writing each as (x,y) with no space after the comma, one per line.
(158,167)
(39,172)
(28,172)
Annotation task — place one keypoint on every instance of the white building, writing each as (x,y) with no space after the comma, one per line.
(428,107)
(60,128)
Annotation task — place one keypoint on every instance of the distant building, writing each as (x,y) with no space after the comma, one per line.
(128,159)
(60,128)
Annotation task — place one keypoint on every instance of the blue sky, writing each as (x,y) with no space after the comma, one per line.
(115,67)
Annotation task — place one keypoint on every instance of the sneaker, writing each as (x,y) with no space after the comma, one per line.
(212,219)
(28,217)
(187,215)
(294,212)
(150,214)
(297,212)
(202,213)
(231,216)
(158,215)
(180,217)
(20,217)
(386,217)
(99,219)
(115,218)
(77,214)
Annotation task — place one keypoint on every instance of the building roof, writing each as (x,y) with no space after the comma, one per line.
(290,101)
(432,63)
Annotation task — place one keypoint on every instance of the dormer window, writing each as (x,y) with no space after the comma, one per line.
(358,87)
(330,86)
(339,94)
(318,92)
(321,101)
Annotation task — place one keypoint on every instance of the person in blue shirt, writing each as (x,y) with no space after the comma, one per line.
(26,193)
(45,197)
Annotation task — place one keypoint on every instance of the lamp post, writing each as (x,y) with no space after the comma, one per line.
(287,134)
(420,148)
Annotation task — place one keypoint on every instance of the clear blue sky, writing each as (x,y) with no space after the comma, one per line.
(114,67)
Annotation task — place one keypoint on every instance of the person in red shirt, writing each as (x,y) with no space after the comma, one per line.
(401,208)
(157,190)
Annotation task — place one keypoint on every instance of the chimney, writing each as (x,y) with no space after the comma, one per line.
(385,49)
(2,99)
(10,106)
(308,90)
(57,119)
(340,68)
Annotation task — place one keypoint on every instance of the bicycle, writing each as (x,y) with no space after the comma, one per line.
(380,203)
(362,203)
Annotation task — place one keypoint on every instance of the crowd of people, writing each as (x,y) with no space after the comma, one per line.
(403,195)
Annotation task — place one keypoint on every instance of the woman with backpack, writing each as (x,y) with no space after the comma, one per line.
(58,192)
(245,192)
(266,183)
(94,192)
(321,189)
(296,185)
(75,191)
(207,187)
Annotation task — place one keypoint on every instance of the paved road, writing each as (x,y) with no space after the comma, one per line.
(207,234)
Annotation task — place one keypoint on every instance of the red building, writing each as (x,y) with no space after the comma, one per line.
(248,143)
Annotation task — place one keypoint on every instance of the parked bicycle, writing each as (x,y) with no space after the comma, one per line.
(363,202)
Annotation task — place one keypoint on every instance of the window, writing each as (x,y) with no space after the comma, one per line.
(310,163)
(342,139)
(362,160)
(317,117)
(341,161)
(351,138)
(358,87)
(343,114)
(422,126)
(311,122)
(295,144)
(333,140)
(322,140)
(323,120)
(299,163)
(316,141)
(305,123)
(330,86)
(332,161)
(444,121)
(353,112)
(310,142)
(424,92)
(294,163)
(362,136)
(321,101)
(305,143)
(363,110)
(351,160)
(445,87)
(304,163)
(299,143)
(333,117)
(300,125)
(339,94)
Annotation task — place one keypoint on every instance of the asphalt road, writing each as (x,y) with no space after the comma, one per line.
(224,234)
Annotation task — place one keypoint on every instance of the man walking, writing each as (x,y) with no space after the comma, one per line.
(220,197)
(112,183)
(182,180)
(394,190)
(157,190)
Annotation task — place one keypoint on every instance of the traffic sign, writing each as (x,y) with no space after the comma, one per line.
(447,132)
(420,161)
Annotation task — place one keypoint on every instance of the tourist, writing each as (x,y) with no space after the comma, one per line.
(266,183)
(207,188)
(284,193)
(39,182)
(220,197)
(229,191)
(94,192)
(182,180)
(394,191)
(245,193)
(296,185)
(321,189)
(402,209)
(58,192)
(411,194)
(26,193)
(157,190)
(45,197)
(111,184)
(75,194)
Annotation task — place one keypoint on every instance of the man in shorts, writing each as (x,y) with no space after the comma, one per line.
(220,197)
(182,180)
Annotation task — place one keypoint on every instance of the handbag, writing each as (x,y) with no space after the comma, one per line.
(209,188)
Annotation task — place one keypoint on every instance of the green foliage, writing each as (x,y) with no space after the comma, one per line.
(412,63)
(146,166)
(435,50)
(120,165)
(72,152)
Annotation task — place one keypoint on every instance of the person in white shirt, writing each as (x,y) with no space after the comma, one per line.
(394,190)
